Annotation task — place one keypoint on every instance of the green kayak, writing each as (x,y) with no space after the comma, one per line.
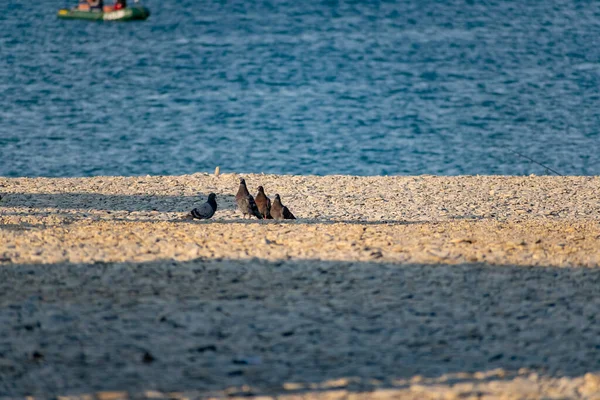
(125,14)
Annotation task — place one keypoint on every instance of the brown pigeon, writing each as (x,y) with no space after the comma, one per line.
(279,211)
(263,203)
(245,201)
(206,210)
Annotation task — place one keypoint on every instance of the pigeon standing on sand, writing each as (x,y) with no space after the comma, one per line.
(245,201)
(206,210)
(279,211)
(263,203)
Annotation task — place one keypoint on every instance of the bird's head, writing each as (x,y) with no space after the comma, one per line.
(261,189)
(242,181)
(212,196)
(277,197)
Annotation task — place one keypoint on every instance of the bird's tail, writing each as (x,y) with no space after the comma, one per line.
(287,214)
(254,207)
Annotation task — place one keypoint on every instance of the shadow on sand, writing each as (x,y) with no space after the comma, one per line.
(207,325)
(76,204)
(103,202)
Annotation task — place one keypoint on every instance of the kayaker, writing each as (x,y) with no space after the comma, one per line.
(96,5)
(120,4)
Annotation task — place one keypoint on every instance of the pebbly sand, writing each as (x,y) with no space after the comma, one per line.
(385,287)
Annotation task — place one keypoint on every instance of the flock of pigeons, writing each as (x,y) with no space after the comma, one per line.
(261,206)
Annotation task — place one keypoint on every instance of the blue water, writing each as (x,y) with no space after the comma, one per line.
(302,87)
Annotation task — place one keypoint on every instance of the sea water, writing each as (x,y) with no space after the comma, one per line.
(302,87)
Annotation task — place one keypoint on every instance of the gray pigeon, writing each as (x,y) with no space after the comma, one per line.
(206,210)
(263,203)
(279,211)
(245,201)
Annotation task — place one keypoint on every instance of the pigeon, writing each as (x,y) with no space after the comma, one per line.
(206,210)
(263,203)
(279,211)
(245,201)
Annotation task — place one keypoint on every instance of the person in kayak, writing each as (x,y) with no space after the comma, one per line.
(120,4)
(96,5)
(83,5)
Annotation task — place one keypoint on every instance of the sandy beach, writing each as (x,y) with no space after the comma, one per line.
(419,287)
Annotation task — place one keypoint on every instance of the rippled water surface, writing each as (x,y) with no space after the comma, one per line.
(303,87)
